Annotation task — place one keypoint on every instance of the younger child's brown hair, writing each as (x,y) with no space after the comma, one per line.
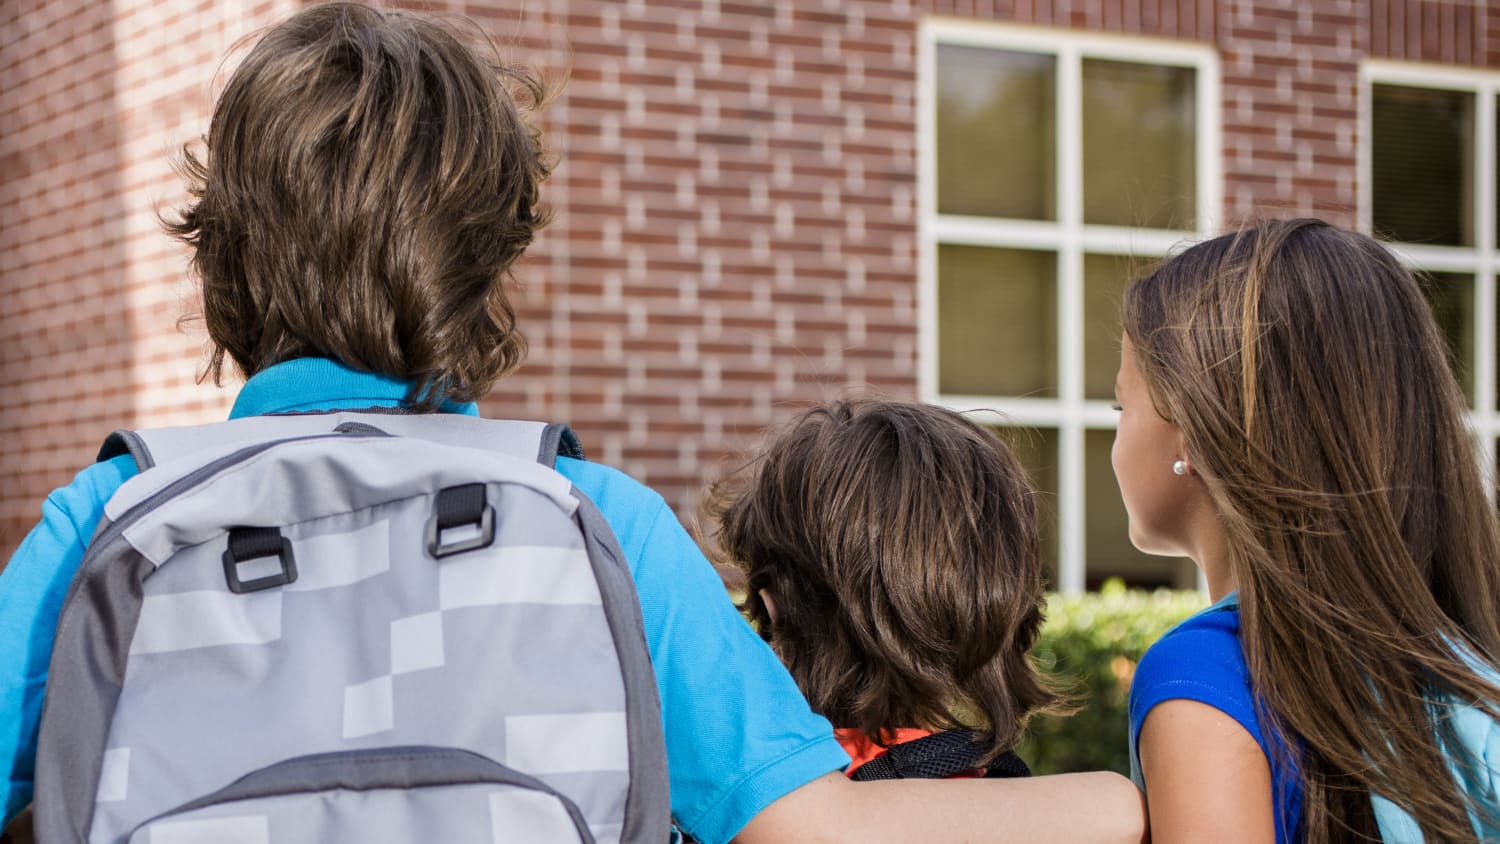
(899,545)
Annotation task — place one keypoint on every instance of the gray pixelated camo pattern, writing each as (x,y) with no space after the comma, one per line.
(504,652)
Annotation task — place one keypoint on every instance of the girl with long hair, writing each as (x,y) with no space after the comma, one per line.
(1289,421)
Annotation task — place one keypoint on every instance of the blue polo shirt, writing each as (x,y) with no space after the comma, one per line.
(739,734)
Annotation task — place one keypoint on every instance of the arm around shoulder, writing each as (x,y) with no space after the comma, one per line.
(1088,807)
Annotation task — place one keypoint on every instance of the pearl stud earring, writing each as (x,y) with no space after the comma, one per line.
(1180,467)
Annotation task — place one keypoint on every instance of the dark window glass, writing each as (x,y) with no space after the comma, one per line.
(997,322)
(996,133)
(1140,159)
(1104,281)
(1036,448)
(1452,298)
(1423,164)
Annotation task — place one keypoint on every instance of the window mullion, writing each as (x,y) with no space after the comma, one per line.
(1364,151)
(927,319)
(1210,147)
(1484,278)
(1071,516)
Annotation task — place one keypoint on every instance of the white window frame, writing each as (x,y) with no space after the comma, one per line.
(1069,413)
(1480,260)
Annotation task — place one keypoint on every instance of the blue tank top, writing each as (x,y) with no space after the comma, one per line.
(1201,660)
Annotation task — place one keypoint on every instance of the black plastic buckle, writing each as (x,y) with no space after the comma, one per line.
(247,544)
(459,507)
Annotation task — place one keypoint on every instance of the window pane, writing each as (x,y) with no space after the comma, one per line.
(996,133)
(1036,448)
(1423,164)
(1452,298)
(1107,534)
(997,322)
(1139,145)
(1104,281)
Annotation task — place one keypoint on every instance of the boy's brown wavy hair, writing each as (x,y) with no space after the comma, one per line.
(899,544)
(370,179)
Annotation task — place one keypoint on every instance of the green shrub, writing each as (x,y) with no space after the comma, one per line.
(1092,643)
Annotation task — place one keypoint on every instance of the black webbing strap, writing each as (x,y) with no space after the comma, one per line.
(938,756)
(460,505)
(247,543)
(253,543)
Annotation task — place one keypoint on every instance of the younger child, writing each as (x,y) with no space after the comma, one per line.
(892,562)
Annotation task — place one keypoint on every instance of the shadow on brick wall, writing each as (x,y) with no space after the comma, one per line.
(65,327)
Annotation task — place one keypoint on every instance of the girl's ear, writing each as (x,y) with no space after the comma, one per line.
(765,598)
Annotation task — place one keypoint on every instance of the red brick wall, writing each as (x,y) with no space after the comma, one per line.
(736,227)
(61,241)
(735,202)
(92,102)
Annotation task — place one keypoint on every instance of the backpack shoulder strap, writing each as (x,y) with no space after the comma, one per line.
(539,441)
(1469,735)
(937,756)
(123,442)
(558,440)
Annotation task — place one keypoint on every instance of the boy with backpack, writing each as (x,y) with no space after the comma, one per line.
(891,559)
(369,182)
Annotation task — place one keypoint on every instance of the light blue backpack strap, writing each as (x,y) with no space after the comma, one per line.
(1395,824)
(1479,733)
(1475,763)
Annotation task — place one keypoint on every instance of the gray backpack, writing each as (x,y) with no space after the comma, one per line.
(351,627)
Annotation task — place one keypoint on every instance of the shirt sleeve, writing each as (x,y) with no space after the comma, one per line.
(739,733)
(32,588)
(1199,664)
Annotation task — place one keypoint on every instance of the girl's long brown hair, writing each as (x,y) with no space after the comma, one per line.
(1311,384)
